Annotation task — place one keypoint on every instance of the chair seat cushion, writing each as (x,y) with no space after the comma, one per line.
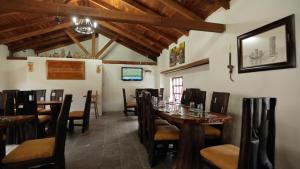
(131,104)
(44,111)
(212,131)
(31,150)
(166,132)
(76,114)
(44,118)
(161,122)
(223,156)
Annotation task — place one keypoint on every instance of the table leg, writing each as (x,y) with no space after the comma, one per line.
(190,144)
(2,143)
(55,109)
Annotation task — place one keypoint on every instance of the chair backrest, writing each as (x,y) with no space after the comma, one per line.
(57,94)
(257,146)
(9,102)
(219,102)
(1,104)
(26,103)
(153,92)
(161,93)
(124,99)
(198,97)
(41,96)
(149,113)
(86,113)
(61,128)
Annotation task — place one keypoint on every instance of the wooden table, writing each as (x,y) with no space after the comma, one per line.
(55,109)
(7,121)
(191,133)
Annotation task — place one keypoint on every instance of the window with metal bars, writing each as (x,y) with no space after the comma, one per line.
(177,87)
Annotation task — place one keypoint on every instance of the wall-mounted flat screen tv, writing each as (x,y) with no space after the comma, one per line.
(132,74)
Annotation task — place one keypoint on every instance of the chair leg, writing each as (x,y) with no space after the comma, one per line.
(125,112)
(96,110)
(71,125)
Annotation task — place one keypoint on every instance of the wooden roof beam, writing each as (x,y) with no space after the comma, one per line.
(141,8)
(35,33)
(77,42)
(224,3)
(98,55)
(33,6)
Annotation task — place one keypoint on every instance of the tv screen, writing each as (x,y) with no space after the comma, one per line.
(132,74)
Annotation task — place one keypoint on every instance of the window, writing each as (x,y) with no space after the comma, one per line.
(177,86)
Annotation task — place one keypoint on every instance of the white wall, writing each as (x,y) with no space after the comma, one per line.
(112,85)
(18,77)
(3,54)
(283,84)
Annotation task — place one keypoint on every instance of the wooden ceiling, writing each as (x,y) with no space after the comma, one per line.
(145,26)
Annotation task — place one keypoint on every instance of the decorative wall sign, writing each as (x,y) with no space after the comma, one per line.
(65,70)
(269,47)
(177,54)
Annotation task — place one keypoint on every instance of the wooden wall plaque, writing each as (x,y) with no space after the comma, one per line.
(65,70)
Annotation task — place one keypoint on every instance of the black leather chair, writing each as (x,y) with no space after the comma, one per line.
(257,147)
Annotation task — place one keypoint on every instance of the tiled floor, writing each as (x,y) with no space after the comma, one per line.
(110,143)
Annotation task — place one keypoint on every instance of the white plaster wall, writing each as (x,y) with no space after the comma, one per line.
(283,84)
(112,85)
(3,67)
(18,77)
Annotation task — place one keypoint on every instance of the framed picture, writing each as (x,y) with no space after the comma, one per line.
(177,54)
(269,47)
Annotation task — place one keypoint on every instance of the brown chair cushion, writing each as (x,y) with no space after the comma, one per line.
(223,156)
(131,104)
(161,122)
(166,132)
(76,114)
(211,131)
(44,118)
(31,150)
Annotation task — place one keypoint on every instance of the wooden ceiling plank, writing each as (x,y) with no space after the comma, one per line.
(103,4)
(98,55)
(35,33)
(28,24)
(181,9)
(77,42)
(224,3)
(33,6)
(141,8)
(5,14)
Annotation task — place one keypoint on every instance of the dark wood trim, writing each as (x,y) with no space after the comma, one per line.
(16,57)
(127,62)
(187,66)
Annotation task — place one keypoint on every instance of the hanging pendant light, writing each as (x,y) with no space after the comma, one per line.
(84,25)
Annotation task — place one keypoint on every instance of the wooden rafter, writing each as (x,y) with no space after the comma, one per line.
(134,37)
(144,10)
(60,44)
(77,42)
(224,3)
(181,10)
(35,33)
(98,55)
(33,6)
(93,46)
(103,4)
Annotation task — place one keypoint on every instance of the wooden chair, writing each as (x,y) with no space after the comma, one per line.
(157,134)
(128,106)
(257,146)
(41,96)
(26,104)
(1,104)
(94,102)
(84,115)
(55,95)
(42,151)
(219,104)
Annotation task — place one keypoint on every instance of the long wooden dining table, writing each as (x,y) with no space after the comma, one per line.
(192,135)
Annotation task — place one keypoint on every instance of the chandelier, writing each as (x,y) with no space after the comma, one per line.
(84,25)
